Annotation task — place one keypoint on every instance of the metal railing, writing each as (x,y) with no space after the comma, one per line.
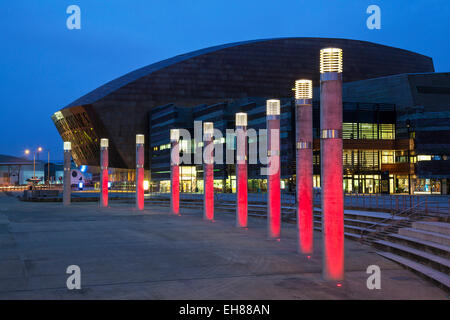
(429,204)
(396,221)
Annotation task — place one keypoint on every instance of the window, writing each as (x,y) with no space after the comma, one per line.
(387,157)
(423,158)
(368,131)
(349,130)
(387,131)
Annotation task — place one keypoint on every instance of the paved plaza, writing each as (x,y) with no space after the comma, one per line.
(126,254)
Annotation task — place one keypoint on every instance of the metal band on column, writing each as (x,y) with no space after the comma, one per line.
(175,171)
(304,165)
(241,171)
(331,163)
(273,178)
(140,139)
(104,143)
(67,173)
(208,171)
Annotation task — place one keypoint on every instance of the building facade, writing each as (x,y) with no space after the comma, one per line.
(385,151)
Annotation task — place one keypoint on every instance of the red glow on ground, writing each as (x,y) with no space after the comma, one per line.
(339,285)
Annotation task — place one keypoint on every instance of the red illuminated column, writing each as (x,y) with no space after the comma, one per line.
(273,174)
(208,171)
(140,171)
(67,173)
(241,170)
(331,163)
(104,172)
(304,164)
(175,172)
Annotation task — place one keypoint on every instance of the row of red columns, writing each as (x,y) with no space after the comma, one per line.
(331,167)
(332,205)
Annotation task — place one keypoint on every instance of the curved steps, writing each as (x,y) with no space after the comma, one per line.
(441,279)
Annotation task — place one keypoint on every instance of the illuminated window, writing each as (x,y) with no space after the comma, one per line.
(387,131)
(423,158)
(387,157)
(349,130)
(368,131)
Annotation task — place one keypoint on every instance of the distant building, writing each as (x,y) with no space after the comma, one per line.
(16,171)
(396,113)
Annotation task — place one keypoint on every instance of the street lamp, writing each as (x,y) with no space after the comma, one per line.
(27,152)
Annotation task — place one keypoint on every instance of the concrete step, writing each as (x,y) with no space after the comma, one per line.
(348,235)
(438,263)
(437,227)
(357,222)
(423,245)
(443,280)
(348,228)
(426,235)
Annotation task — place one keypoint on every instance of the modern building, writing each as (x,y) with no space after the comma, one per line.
(384,150)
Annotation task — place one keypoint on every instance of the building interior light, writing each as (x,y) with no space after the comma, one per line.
(146,185)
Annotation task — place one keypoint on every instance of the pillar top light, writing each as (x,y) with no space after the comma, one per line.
(67,146)
(273,107)
(331,60)
(104,143)
(174,134)
(241,119)
(303,89)
(208,128)
(140,138)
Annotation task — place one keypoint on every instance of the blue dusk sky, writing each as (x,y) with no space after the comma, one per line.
(45,66)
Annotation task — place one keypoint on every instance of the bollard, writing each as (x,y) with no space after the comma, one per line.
(241,171)
(67,173)
(331,163)
(140,138)
(304,165)
(104,143)
(175,171)
(208,172)
(273,178)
